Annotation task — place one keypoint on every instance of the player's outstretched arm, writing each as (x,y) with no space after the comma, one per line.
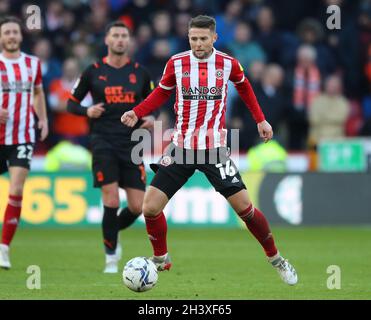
(129,118)
(153,102)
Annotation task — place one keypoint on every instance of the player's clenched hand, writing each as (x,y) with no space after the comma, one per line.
(96,110)
(265,130)
(43,126)
(129,118)
(147,122)
(4,115)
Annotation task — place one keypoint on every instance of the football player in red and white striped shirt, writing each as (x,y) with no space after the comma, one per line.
(200,77)
(21,93)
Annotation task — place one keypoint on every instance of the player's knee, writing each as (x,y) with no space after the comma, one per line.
(16,190)
(136,208)
(111,200)
(247,204)
(150,208)
(112,203)
(246,207)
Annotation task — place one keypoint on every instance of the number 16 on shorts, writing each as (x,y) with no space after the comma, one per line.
(228,170)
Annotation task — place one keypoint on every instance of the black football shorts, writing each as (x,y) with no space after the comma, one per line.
(17,155)
(177,165)
(112,163)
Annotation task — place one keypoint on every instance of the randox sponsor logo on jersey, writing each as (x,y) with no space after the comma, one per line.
(16,86)
(202,93)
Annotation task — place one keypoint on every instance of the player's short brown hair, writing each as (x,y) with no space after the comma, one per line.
(114,24)
(9,19)
(204,22)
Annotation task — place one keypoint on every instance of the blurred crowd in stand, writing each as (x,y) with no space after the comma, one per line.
(311,82)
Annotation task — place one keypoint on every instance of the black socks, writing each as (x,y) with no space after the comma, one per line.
(110,229)
(126,218)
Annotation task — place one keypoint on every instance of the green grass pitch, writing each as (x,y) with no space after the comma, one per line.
(207,264)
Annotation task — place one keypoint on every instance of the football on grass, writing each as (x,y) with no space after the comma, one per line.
(140,274)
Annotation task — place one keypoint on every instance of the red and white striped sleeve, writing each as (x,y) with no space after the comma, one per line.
(237,75)
(168,80)
(161,94)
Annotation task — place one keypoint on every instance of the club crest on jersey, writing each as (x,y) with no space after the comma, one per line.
(219,74)
(132,78)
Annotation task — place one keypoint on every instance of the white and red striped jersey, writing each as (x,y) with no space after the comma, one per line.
(201,93)
(18,78)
